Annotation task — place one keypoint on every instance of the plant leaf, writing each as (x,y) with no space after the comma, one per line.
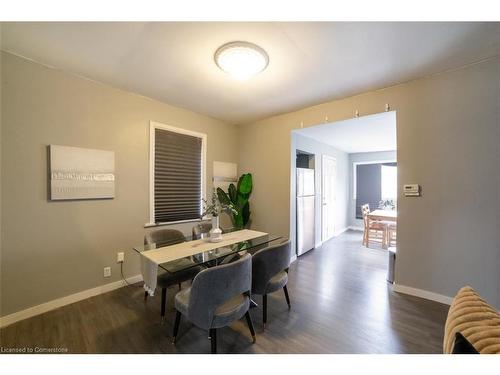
(245,184)
(223,198)
(238,220)
(241,202)
(233,193)
(245,213)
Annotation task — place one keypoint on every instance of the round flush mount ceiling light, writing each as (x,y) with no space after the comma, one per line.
(242,60)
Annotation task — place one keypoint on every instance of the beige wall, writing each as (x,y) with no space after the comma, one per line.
(53,249)
(1,231)
(448,142)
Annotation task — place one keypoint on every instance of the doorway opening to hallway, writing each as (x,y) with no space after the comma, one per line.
(352,176)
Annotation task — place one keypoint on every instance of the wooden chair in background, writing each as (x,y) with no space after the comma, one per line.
(391,235)
(374,231)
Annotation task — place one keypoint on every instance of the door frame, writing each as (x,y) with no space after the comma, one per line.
(334,159)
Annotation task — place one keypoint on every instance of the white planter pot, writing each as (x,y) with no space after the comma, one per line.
(215,232)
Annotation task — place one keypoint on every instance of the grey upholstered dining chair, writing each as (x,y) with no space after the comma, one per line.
(200,229)
(165,237)
(217,297)
(270,273)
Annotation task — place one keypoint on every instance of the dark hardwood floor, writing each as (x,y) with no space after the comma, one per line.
(341,303)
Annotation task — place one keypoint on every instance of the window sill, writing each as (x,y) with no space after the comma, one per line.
(151,225)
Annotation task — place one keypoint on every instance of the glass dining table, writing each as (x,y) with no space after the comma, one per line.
(213,257)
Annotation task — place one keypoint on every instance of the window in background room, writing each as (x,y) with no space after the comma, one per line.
(389,182)
(177,174)
(375,182)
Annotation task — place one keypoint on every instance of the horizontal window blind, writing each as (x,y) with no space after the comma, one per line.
(177,176)
(368,187)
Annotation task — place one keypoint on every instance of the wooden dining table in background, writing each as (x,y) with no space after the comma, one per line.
(383,215)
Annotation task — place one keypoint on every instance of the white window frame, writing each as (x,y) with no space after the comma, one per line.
(157,125)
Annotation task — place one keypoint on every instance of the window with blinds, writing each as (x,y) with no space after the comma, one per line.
(178,164)
(375,182)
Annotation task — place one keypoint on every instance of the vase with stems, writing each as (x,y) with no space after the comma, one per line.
(215,232)
(214,209)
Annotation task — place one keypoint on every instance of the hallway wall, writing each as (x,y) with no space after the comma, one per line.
(302,143)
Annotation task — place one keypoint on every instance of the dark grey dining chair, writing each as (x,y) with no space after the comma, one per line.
(217,297)
(200,229)
(270,273)
(165,237)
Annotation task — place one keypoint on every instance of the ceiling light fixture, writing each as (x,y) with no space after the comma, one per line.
(242,60)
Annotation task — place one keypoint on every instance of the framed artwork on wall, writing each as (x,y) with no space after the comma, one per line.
(80,173)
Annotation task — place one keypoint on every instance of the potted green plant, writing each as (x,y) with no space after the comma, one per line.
(387,204)
(238,197)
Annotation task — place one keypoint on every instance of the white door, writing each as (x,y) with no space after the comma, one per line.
(328,177)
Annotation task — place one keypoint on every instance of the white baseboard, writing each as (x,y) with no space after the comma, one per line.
(352,227)
(63,301)
(336,234)
(422,294)
(339,232)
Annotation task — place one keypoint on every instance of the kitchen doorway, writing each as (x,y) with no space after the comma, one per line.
(338,149)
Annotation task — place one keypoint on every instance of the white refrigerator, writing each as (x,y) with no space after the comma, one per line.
(305,210)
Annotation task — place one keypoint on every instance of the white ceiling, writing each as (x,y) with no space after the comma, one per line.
(309,63)
(363,134)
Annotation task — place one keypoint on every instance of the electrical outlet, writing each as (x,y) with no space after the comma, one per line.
(107,271)
(120,257)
